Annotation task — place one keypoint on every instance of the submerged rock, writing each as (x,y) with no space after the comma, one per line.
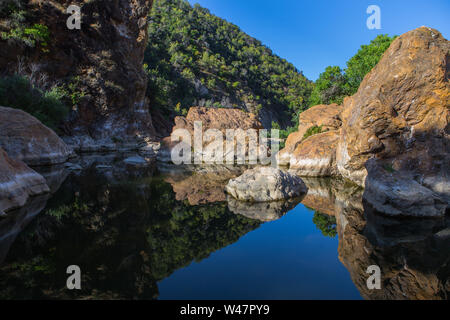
(17,183)
(25,138)
(395,194)
(265,184)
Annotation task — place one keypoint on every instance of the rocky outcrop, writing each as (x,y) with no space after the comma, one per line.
(103,61)
(394,194)
(220,119)
(325,116)
(25,138)
(400,118)
(17,183)
(265,184)
(400,113)
(316,156)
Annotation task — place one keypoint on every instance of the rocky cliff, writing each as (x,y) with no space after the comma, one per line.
(103,60)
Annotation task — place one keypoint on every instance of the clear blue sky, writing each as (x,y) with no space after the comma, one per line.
(313,34)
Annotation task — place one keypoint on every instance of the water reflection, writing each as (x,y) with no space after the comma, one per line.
(130,226)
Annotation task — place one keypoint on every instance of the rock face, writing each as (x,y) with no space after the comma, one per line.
(401,110)
(25,138)
(265,184)
(316,156)
(217,118)
(220,119)
(325,116)
(104,59)
(17,183)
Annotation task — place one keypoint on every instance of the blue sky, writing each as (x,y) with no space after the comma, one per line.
(313,34)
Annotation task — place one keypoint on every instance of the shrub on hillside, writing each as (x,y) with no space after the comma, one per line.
(46,105)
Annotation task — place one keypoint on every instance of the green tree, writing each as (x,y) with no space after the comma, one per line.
(331,87)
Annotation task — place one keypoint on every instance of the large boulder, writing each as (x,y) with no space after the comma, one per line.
(265,184)
(17,183)
(401,111)
(316,156)
(391,193)
(325,116)
(25,138)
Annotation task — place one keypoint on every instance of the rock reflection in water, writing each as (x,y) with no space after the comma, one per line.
(413,254)
(202,184)
(125,229)
(262,211)
(128,228)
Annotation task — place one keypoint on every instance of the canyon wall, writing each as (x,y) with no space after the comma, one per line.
(103,60)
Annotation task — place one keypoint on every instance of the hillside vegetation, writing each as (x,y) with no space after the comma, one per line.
(196,58)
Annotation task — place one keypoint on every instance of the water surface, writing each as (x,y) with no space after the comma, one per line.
(161,232)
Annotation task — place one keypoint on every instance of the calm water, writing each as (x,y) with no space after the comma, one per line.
(156,232)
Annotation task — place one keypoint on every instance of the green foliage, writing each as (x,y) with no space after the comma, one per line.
(312,131)
(195,56)
(331,87)
(364,61)
(326,224)
(47,106)
(335,84)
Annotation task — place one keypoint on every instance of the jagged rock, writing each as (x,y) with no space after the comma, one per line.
(394,194)
(400,111)
(17,183)
(326,116)
(265,184)
(316,156)
(25,138)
